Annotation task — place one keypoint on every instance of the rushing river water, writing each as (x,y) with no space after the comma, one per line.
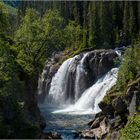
(64,124)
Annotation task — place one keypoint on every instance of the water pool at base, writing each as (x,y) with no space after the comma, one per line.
(64,124)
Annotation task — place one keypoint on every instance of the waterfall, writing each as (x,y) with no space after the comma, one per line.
(80,83)
(118,52)
(59,82)
(61,90)
(88,102)
(80,75)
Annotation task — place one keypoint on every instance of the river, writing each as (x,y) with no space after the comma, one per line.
(64,124)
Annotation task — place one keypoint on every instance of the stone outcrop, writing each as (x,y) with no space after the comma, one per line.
(98,132)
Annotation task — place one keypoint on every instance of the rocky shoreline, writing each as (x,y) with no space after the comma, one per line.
(114,115)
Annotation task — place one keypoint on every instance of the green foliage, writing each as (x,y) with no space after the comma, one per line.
(130,67)
(4,18)
(7,19)
(132,129)
(22,59)
(73,34)
(4,130)
(54,35)
(8,65)
(11,91)
(37,38)
(28,41)
(94,38)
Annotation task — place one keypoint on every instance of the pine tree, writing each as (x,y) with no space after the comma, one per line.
(76,12)
(126,25)
(133,22)
(85,23)
(138,16)
(96,26)
(91,18)
(106,24)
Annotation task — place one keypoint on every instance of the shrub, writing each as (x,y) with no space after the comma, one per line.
(132,129)
(130,67)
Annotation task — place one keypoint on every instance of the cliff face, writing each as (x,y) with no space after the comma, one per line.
(96,63)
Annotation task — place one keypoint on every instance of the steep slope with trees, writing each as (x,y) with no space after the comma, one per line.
(106,24)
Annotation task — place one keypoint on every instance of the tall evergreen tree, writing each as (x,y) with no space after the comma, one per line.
(85,23)
(126,25)
(106,24)
(96,26)
(138,13)
(133,21)
(91,18)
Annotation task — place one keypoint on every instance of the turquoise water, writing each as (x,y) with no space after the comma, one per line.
(64,124)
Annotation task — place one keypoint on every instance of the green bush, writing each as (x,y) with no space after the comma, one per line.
(130,67)
(132,129)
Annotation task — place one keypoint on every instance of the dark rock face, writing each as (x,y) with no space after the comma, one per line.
(96,64)
(107,109)
(100,61)
(119,105)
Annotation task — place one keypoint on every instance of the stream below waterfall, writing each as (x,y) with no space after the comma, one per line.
(64,124)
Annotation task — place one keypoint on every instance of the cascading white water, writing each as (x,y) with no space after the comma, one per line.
(58,84)
(118,52)
(80,75)
(88,102)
